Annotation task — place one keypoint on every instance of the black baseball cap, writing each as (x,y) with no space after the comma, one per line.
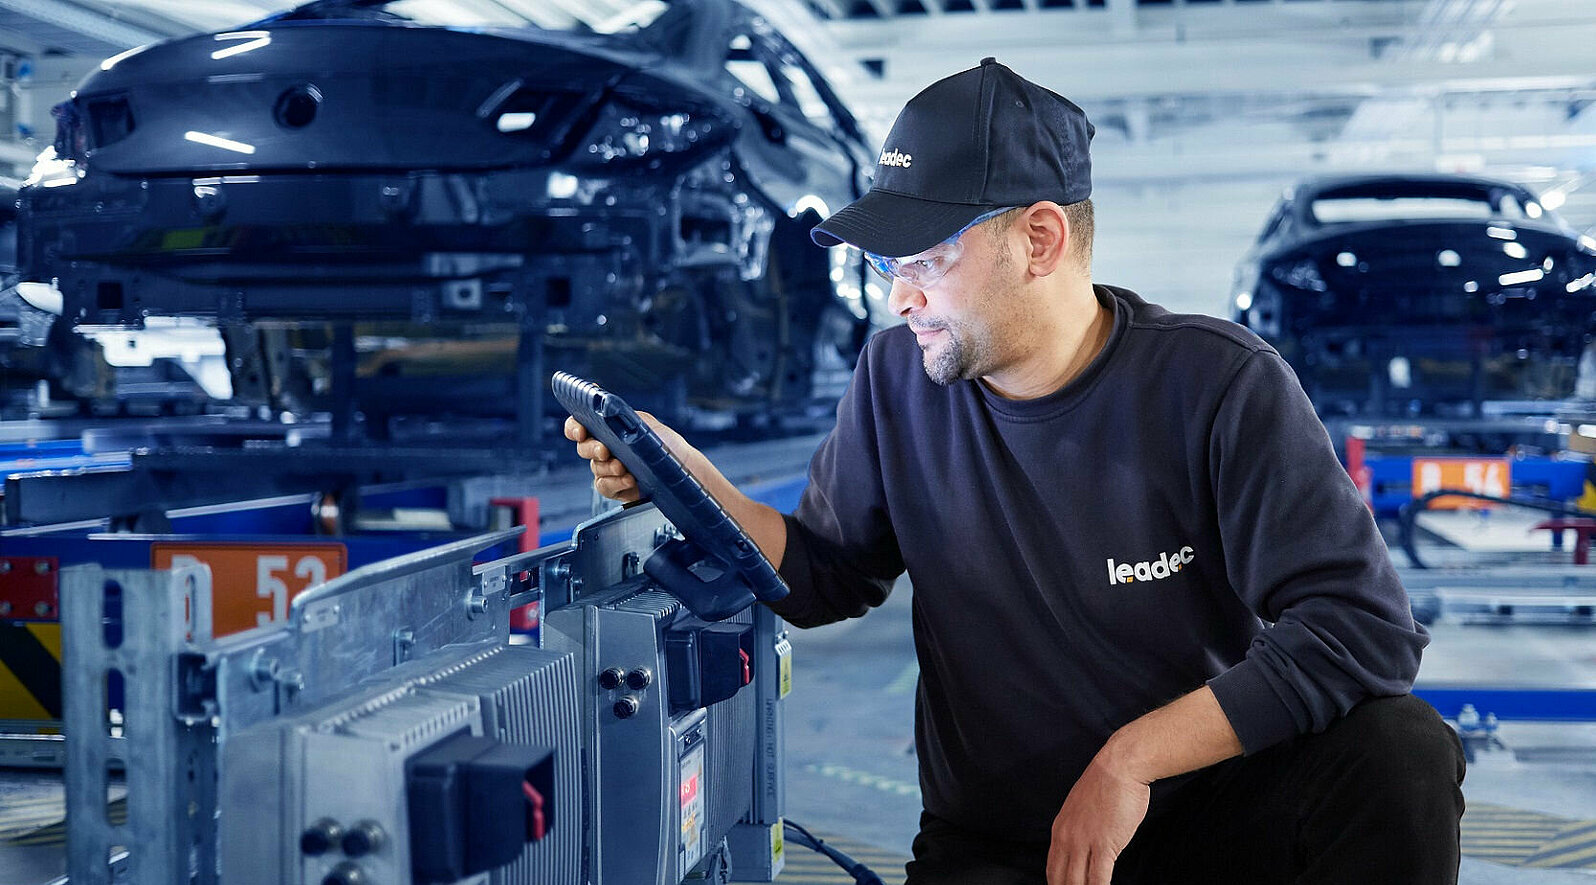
(979,140)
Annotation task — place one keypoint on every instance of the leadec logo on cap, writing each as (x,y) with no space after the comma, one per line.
(895,158)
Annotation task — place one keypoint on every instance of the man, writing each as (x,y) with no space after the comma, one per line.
(1160,639)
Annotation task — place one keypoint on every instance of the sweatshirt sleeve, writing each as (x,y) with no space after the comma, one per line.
(1303,552)
(842,555)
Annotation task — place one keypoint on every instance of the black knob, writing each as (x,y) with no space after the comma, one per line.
(638,679)
(626,707)
(320,837)
(612,678)
(346,873)
(362,839)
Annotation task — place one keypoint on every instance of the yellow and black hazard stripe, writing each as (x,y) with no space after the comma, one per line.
(1520,838)
(805,866)
(30,670)
(1572,848)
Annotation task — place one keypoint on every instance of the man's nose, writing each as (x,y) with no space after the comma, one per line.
(904,298)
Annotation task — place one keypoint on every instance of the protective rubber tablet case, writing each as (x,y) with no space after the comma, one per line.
(718,570)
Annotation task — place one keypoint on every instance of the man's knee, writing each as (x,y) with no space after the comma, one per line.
(1397,748)
(1382,797)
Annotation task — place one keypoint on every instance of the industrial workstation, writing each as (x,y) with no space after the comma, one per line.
(939,442)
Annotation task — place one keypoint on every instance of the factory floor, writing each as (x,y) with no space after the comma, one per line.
(851,766)
(851,763)
(852,770)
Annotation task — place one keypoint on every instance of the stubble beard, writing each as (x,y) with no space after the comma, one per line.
(968,352)
(950,360)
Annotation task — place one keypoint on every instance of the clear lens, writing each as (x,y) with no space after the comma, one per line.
(925,268)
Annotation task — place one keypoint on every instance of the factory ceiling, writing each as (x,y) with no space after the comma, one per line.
(1182,89)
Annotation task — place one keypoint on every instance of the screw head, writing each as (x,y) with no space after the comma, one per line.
(42,609)
(362,839)
(42,567)
(320,837)
(5,566)
(5,608)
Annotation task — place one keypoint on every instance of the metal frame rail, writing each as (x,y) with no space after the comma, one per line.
(180,477)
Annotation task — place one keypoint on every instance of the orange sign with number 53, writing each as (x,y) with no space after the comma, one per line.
(252,584)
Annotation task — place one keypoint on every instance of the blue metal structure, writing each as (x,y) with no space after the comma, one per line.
(1513,702)
(1392,480)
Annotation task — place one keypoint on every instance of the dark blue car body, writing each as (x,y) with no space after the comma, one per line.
(623,195)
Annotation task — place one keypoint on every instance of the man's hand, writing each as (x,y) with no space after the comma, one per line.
(1110,800)
(610,477)
(612,480)
(1097,821)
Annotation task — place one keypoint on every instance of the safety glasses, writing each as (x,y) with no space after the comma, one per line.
(924,268)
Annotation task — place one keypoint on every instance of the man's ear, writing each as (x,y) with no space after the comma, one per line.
(1047,237)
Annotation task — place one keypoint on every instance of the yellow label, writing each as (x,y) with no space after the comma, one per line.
(785,651)
(776,846)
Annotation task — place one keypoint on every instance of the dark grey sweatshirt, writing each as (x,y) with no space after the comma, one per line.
(1175,516)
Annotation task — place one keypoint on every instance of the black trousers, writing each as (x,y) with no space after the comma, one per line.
(1374,799)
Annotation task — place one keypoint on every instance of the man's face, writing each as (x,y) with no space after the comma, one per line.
(964,322)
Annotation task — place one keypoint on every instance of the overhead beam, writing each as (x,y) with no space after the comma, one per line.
(1080,58)
(212,15)
(14,43)
(79,20)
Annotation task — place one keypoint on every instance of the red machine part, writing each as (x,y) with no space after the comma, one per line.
(29,588)
(536,819)
(1362,475)
(523,511)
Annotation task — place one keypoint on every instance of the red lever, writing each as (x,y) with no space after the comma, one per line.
(748,671)
(537,823)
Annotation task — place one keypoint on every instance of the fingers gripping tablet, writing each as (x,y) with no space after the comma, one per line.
(717,570)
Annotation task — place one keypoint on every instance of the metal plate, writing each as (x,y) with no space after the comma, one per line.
(28,588)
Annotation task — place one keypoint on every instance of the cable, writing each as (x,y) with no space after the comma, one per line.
(861,874)
(1409,513)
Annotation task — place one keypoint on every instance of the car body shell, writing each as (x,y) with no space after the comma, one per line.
(1400,309)
(625,194)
